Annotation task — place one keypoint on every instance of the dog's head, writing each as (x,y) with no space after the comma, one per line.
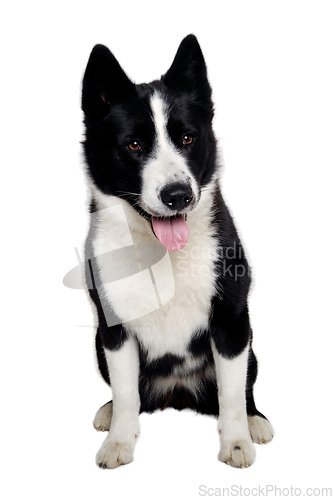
(151,144)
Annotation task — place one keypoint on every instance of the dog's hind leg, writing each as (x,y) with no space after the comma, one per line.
(260,428)
(102,420)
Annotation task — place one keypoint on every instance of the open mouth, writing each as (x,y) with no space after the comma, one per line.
(172,232)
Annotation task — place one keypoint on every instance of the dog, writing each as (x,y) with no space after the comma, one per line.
(165,268)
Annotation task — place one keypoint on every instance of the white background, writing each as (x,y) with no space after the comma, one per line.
(270,65)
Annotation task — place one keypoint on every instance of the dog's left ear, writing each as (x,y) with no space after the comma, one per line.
(104,82)
(188,70)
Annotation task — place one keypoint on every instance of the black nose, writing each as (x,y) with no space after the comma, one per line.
(177,196)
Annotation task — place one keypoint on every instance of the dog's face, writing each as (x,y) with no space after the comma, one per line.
(151,144)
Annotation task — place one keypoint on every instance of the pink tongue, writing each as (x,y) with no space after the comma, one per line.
(173,233)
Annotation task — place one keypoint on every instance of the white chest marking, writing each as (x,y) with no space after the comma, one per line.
(163,305)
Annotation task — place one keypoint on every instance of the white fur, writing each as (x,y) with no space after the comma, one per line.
(261,430)
(112,215)
(166,165)
(185,279)
(103,417)
(123,366)
(235,440)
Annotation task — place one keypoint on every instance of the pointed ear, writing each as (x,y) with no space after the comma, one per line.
(188,70)
(104,81)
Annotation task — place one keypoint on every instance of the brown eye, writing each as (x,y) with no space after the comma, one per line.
(187,139)
(134,146)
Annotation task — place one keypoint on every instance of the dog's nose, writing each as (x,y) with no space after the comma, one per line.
(177,196)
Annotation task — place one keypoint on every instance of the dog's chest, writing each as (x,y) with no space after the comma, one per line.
(184,307)
(164,297)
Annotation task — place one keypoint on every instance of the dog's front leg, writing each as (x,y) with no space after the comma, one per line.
(123,365)
(231,359)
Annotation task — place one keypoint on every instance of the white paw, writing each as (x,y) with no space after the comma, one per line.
(113,454)
(102,420)
(260,429)
(239,454)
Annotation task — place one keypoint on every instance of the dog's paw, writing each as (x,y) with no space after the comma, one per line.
(113,454)
(238,454)
(260,429)
(102,420)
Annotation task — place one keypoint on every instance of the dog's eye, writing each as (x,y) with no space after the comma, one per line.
(187,139)
(134,146)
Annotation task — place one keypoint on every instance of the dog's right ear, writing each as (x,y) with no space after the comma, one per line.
(188,70)
(104,82)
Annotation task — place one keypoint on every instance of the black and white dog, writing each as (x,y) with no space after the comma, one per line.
(165,267)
